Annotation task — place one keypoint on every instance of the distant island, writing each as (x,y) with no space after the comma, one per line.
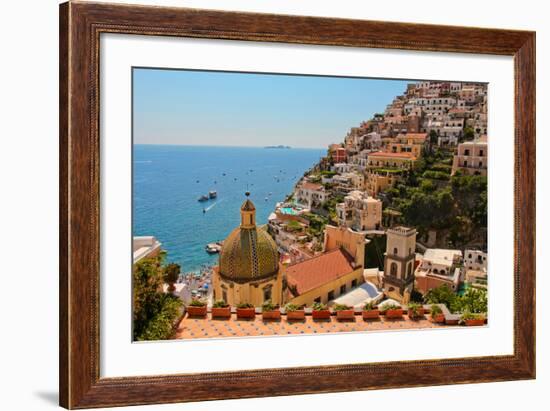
(279,146)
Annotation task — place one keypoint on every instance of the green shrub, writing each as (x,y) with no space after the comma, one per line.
(369,306)
(435,309)
(269,306)
(341,307)
(220,304)
(319,306)
(197,303)
(292,307)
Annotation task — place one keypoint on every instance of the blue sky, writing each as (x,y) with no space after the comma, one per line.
(241,109)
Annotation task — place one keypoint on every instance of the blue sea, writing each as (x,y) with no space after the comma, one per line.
(168,180)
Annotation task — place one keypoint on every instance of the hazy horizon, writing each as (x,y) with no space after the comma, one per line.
(207,108)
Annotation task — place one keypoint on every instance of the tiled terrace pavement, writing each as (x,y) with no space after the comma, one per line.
(191,327)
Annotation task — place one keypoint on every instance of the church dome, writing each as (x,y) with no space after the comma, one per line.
(248,253)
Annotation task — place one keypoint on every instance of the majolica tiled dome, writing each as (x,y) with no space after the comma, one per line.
(248,253)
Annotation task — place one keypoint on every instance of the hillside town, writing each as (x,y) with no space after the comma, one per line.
(394,216)
(421,164)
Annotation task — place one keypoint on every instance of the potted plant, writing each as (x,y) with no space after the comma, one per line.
(294,312)
(416,311)
(220,309)
(196,308)
(320,311)
(245,310)
(472,319)
(393,311)
(270,311)
(370,311)
(436,313)
(344,312)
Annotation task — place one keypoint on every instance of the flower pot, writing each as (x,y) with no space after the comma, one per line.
(438,318)
(370,314)
(247,313)
(419,314)
(195,311)
(296,315)
(320,314)
(393,314)
(221,312)
(271,315)
(473,322)
(345,314)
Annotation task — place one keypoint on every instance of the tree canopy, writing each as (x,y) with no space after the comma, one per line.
(154,312)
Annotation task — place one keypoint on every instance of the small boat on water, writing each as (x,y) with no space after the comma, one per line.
(212,194)
(213,248)
(203,198)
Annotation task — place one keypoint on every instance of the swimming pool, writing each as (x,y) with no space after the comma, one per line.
(288,210)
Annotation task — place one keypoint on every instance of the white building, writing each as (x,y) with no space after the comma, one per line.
(145,247)
(475,260)
(310,195)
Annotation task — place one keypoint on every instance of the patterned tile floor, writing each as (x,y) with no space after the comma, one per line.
(191,327)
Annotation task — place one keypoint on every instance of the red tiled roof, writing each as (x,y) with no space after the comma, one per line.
(310,274)
(311,186)
(392,155)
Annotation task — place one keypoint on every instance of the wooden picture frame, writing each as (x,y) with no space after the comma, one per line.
(80,27)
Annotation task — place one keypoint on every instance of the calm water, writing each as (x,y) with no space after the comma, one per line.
(168,180)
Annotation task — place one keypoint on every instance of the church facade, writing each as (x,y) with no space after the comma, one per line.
(249,270)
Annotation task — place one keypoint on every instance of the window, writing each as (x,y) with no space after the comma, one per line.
(395,251)
(342,289)
(317,300)
(354,283)
(466,152)
(409,269)
(330,295)
(267,293)
(393,269)
(465,163)
(481,153)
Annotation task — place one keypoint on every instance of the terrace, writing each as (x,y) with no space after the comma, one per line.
(208,327)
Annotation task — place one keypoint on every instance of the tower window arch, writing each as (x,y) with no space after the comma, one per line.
(393,269)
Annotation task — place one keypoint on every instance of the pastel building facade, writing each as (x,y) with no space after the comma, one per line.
(310,195)
(471,157)
(360,212)
(439,267)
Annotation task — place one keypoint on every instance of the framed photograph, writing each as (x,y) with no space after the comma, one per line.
(255,205)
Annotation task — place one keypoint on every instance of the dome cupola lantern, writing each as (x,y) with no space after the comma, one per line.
(248,213)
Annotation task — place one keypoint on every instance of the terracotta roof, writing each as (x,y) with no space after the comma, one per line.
(311,186)
(392,155)
(310,274)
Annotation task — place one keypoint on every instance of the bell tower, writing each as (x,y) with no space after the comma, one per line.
(399,260)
